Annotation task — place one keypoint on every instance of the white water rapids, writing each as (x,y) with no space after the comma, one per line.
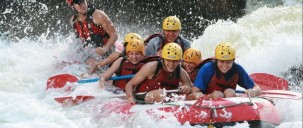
(267,40)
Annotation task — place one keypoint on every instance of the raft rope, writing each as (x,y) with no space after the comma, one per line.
(249,97)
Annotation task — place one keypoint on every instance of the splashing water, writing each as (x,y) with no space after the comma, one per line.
(267,40)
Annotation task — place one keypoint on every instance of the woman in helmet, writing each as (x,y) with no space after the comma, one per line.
(95,29)
(219,79)
(157,76)
(129,64)
(119,51)
(171,33)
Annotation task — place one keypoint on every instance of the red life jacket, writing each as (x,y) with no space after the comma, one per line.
(193,75)
(147,59)
(126,68)
(90,32)
(220,84)
(162,79)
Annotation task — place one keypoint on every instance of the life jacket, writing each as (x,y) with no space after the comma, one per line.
(162,42)
(193,74)
(90,32)
(162,79)
(150,59)
(219,82)
(126,68)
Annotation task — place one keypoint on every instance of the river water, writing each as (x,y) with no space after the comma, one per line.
(267,38)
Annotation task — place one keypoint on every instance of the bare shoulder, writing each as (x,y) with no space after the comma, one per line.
(98,14)
(152,64)
(182,71)
(99,17)
(149,68)
(185,79)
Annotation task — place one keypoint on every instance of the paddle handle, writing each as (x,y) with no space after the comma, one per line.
(111,78)
(240,91)
(167,91)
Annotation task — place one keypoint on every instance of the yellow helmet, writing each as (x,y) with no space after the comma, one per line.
(172,51)
(131,36)
(192,55)
(225,51)
(171,23)
(135,45)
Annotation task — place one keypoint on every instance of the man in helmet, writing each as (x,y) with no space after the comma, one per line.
(157,76)
(171,33)
(219,79)
(126,65)
(119,51)
(95,29)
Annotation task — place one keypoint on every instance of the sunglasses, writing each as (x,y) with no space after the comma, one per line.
(79,1)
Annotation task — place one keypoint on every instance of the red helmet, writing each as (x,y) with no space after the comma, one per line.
(69,2)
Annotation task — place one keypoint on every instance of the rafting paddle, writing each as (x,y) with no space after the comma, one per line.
(269,82)
(74,100)
(273,87)
(283,94)
(59,81)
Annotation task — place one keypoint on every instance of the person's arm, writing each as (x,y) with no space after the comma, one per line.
(186,86)
(71,22)
(110,59)
(151,48)
(113,68)
(247,82)
(99,17)
(255,91)
(195,93)
(147,71)
(194,89)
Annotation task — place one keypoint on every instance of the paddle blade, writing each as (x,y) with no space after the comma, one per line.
(269,82)
(281,94)
(59,81)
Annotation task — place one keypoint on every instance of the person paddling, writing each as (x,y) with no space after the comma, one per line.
(119,51)
(219,79)
(95,29)
(156,76)
(126,65)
